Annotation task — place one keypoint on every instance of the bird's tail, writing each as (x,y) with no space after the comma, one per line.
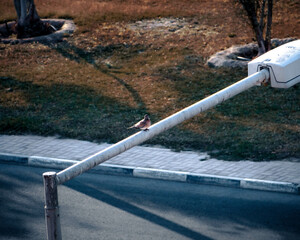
(131,127)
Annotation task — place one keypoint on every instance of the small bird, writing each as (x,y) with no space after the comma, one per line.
(144,124)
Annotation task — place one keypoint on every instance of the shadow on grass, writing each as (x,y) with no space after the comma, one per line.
(77,54)
(64,109)
(258,124)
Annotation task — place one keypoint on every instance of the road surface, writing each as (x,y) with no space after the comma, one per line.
(112,207)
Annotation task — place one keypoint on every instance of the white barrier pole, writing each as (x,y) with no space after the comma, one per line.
(162,126)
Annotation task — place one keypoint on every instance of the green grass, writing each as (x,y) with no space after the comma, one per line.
(94,85)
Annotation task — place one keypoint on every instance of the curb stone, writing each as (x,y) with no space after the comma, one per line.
(35,161)
(214,180)
(11,158)
(245,183)
(270,186)
(160,174)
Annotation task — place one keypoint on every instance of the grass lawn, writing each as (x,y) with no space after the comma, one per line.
(128,58)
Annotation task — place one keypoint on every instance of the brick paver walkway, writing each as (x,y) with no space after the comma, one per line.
(152,157)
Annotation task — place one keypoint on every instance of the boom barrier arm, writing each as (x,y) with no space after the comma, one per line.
(162,126)
(52,179)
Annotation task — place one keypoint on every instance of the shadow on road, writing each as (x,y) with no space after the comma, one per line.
(94,191)
(93,206)
(21,208)
(225,211)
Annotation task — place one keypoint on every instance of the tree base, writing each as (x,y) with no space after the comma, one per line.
(239,56)
(63,28)
(34,29)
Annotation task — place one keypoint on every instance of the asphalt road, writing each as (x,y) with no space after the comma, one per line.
(111,207)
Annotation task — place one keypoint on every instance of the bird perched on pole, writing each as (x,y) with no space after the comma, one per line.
(144,124)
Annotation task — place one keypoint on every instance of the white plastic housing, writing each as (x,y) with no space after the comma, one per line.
(283,63)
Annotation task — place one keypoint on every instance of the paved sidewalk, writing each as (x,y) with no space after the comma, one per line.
(152,157)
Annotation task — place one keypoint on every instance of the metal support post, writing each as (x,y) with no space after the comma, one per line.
(51,206)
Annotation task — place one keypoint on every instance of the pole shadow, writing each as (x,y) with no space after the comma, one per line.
(77,54)
(95,193)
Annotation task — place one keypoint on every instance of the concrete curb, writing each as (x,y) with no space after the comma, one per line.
(245,183)
(160,174)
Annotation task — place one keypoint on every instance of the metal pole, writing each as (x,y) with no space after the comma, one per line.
(161,126)
(51,206)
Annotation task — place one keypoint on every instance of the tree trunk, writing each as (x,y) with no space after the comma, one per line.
(260,40)
(256,9)
(269,23)
(262,15)
(251,10)
(29,23)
